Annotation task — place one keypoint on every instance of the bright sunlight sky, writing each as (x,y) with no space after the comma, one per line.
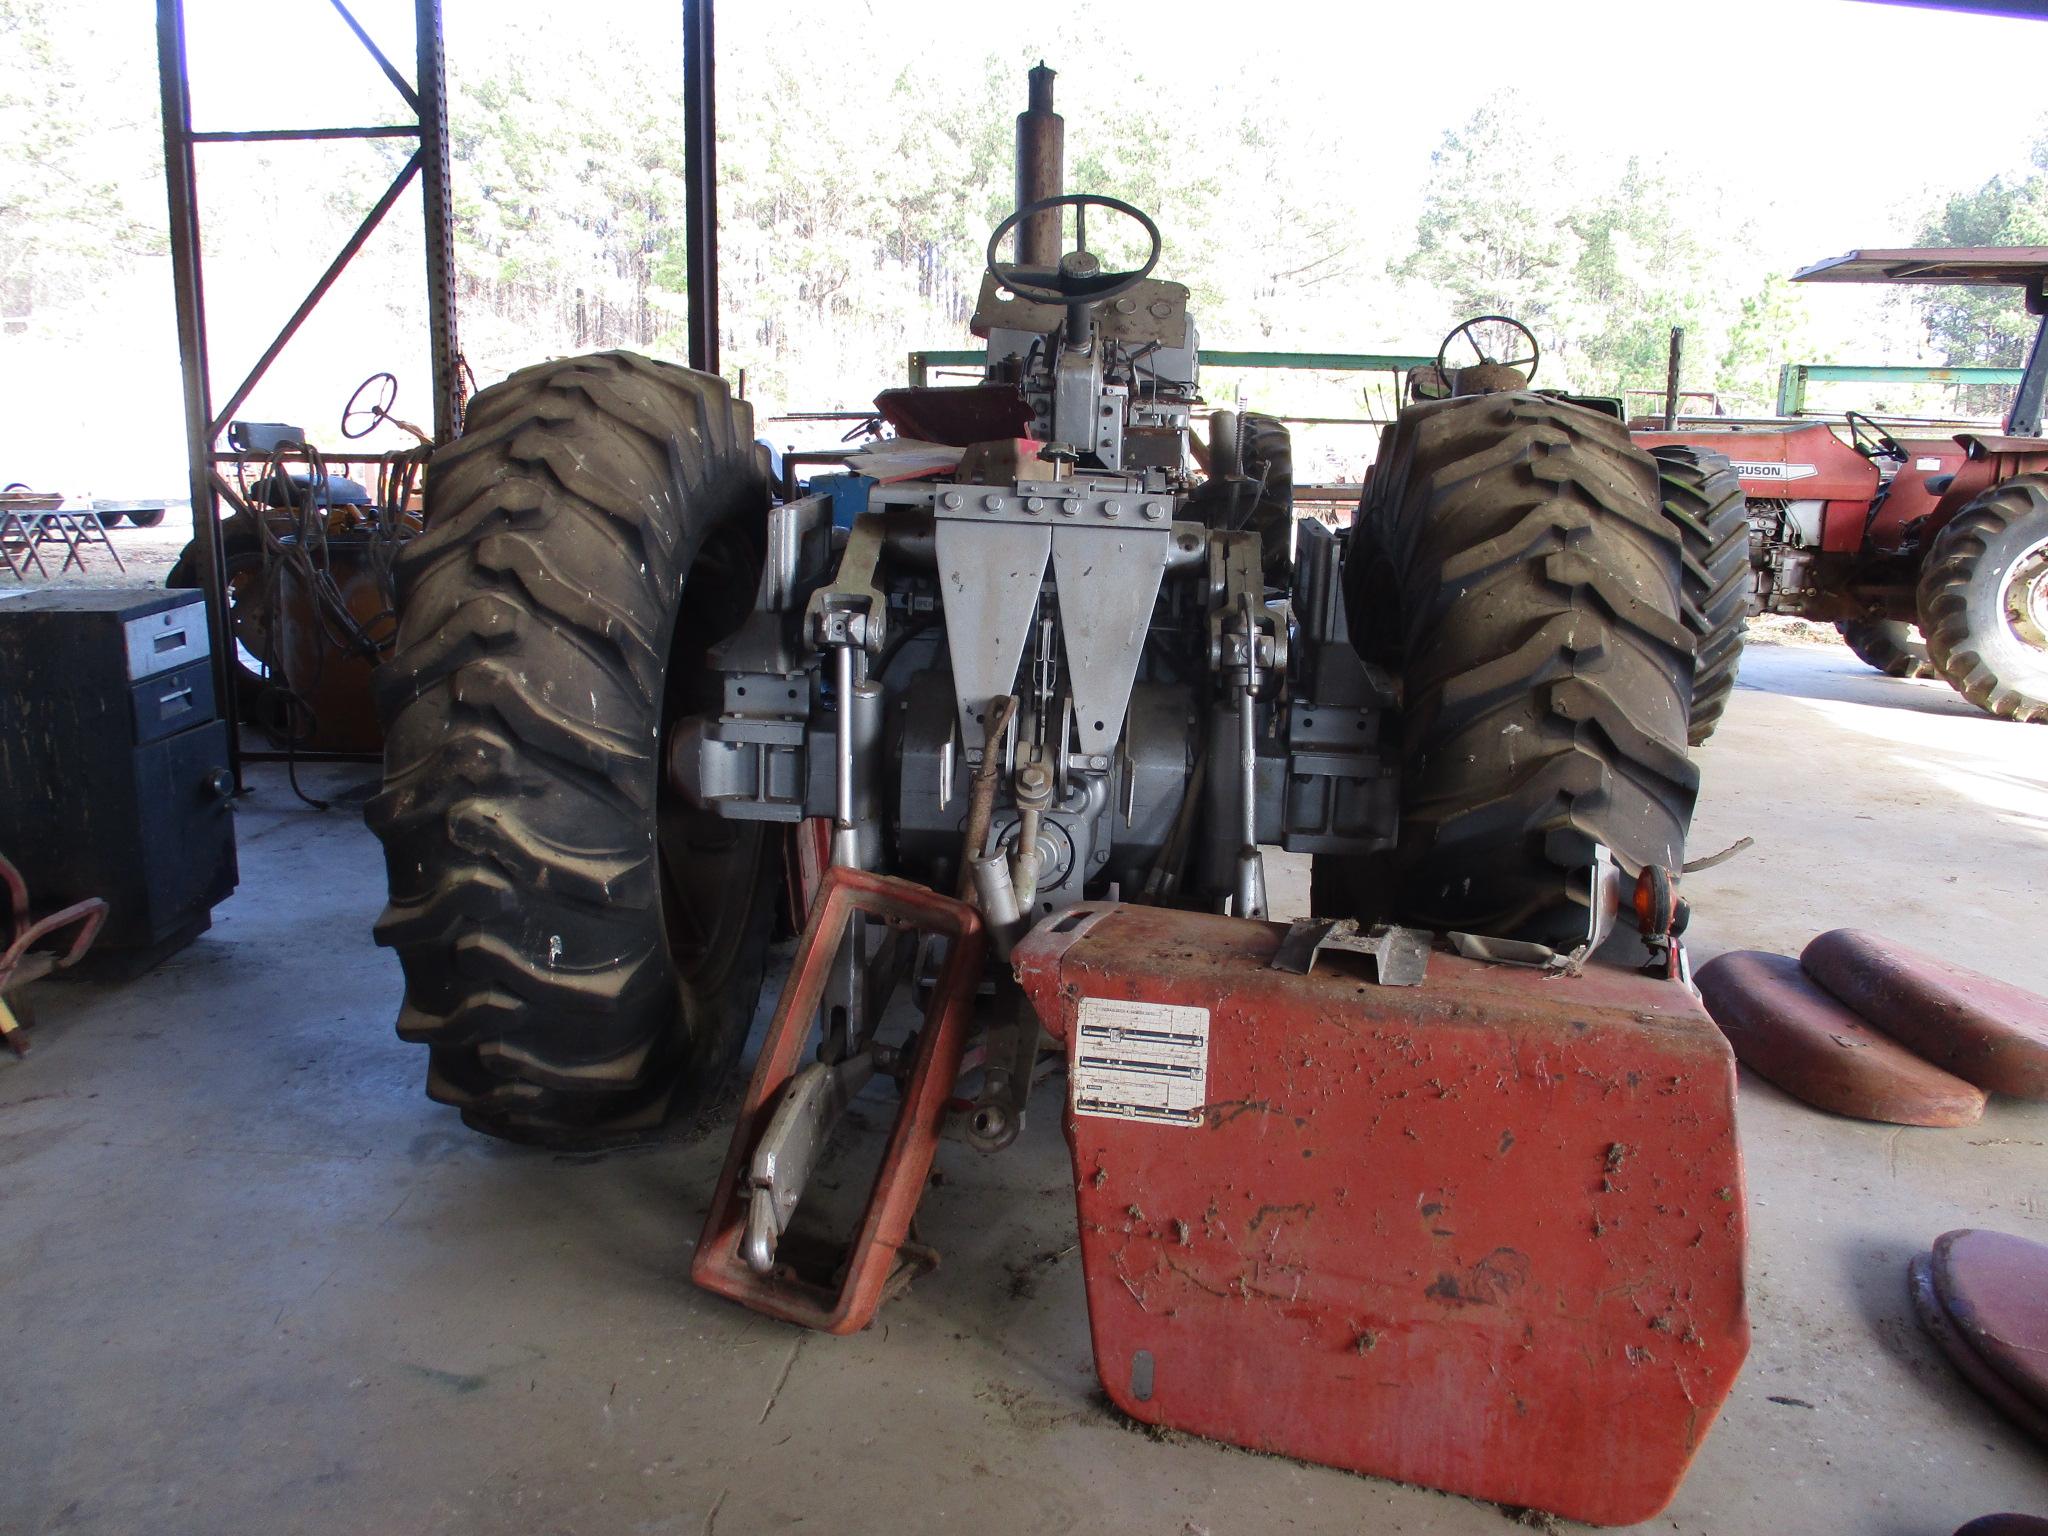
(1842,115)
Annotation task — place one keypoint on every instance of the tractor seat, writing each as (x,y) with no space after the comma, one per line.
(340,491)
(1487,379)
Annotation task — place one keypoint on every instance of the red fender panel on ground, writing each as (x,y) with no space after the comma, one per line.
(1786,1029)
(1987,1031)
(1995,1288)
(1971,1366)
(1484,1234)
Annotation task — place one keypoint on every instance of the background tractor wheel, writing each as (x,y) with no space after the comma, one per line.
(582,950)
(1704,498)
(250,601)
(1547,664)
(1892,646)
(1984,600)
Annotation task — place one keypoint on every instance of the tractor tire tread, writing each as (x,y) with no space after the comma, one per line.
(1547,660)
(1703,496)
(521,709)
(1962,641)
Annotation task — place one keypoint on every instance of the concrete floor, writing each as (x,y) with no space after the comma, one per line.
(251,1280)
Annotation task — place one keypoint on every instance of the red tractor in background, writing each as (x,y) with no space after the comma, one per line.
(1896,539)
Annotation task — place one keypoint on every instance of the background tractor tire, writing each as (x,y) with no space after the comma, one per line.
(250,599)
(1892,646)
(582,951)
(1984,600)
(1547,664)
(1704,498)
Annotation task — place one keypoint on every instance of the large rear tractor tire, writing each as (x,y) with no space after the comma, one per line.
(1703,496)
(1984,600)
(1892,646)
(1547,664)
(582,951)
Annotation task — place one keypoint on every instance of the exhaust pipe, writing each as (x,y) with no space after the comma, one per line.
(1041,172)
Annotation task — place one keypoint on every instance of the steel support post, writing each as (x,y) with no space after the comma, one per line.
(700,183)
(432,104)
(188,290)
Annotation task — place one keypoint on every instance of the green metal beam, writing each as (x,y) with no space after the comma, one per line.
(921,363)
(1329,362)
(1794,377)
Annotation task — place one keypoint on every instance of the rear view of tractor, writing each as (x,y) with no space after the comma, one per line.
(1052,694)
(1930,554)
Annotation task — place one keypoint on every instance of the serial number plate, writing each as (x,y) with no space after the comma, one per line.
(1141,1061)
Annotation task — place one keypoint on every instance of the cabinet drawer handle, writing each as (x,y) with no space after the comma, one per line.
(181,698)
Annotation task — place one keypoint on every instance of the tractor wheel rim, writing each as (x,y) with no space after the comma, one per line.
(2024,600)
(703,862)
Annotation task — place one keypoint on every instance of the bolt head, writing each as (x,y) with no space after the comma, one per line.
(1070,509)
(1112,509)
(950,500)
(1034,504)
(1154,510)
(993,502)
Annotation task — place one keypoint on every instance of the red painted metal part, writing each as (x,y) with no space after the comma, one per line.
(1907,500)
(1995,1287)
(1972,1367)
(1987,461)
(1786,1029)
(36,945)
(1485,1234)
(872,1258)
(1801,463)
(1986,1031)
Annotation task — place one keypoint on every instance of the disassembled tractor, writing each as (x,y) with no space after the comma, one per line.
(1405,1184)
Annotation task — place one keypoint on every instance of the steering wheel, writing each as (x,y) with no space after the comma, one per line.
(1502,332)
(1079,278)
(370,414)
(1871,440)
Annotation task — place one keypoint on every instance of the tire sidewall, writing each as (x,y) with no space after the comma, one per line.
(2019,667)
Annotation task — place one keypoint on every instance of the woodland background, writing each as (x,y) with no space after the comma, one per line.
(865,153)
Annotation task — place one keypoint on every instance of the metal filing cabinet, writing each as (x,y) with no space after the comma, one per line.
(114,776)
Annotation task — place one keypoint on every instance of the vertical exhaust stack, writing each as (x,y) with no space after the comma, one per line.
(1041,172)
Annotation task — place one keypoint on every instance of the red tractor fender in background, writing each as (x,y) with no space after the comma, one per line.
(1795,463)
(1909,500)
(1986,461)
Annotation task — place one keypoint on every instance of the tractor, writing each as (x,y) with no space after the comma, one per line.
(1017,732)
(306,559)
(1930,554)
